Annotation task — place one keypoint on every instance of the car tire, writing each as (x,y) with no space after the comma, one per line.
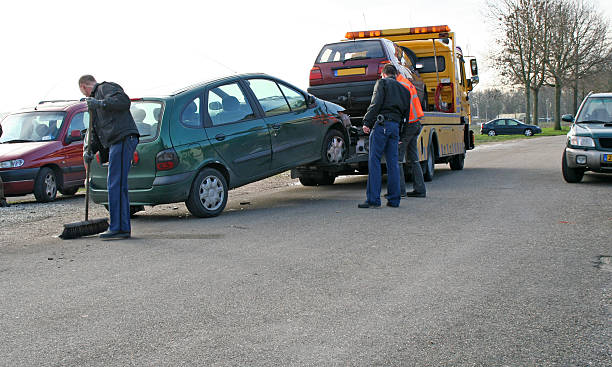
(491,133)
(322,179)
(528,132)
(208,195)
(133,209)
(430,163)
(69,191)
(457,162)
(334,148)
(571,175)
(45,185)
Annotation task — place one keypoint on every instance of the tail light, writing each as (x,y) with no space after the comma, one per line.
(98,158)
(315,73)
(481,126)
(135,158)
(166,160)
(381,65)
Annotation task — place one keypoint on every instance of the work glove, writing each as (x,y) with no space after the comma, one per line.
(88,157)
(93,103)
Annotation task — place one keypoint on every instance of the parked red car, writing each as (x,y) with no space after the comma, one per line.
(41,150)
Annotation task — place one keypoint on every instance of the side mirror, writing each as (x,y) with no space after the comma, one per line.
(311,100)
(567,118)
(474,67)
(75,135)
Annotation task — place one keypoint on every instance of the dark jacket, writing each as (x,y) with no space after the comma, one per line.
(114,122)
(390,99)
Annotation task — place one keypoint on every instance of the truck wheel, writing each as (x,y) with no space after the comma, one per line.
(45,185)
(322,179)
(528,132)
(571,175)
(430,163)
(334,147)
(492,133)
(457,161)
(208,194)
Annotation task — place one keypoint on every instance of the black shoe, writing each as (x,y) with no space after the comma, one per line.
(4,204)
(402,195)
(114,235)
(366,205)
(414,194)
(391,205)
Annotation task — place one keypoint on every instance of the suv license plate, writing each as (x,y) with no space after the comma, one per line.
(353,71)
(606,157)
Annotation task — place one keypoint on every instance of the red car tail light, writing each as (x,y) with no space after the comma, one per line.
(381,65)
(166,160)
(315,73)
(136,158)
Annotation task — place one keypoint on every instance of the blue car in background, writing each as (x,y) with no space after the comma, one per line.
(508,127)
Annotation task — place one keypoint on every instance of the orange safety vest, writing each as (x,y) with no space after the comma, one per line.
(416,111)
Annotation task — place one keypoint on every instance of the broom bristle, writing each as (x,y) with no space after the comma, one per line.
(84,228)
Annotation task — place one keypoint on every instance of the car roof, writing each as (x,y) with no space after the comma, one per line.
(606,94)
(52,105)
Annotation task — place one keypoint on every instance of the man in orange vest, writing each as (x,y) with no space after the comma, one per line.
(408,143)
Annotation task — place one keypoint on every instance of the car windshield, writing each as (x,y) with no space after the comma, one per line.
(147,115)
(31,126)
(352,50)
(596,110)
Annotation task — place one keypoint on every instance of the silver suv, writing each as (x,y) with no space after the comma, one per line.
(589,142)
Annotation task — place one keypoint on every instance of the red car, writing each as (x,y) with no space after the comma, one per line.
(41,150)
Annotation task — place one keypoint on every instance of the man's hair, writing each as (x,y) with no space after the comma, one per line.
(87,79)
(389,70)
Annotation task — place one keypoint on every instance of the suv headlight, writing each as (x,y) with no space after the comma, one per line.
(12,164)
(582,141)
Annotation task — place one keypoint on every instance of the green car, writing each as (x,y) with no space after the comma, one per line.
(200,141)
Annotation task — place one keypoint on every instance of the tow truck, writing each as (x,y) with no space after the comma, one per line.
(446,136)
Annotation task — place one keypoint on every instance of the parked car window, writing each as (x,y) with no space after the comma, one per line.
(32,126)
(296,99)
(344,51)
(269,96)
(511,122)
(147,115)
(80,121)
(191,114)
(227,104)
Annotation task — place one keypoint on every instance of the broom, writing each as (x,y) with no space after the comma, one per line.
(86,227)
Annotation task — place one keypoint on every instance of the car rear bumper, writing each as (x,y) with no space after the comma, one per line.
(165,190)
(18,181)
(593,160)
(355,96)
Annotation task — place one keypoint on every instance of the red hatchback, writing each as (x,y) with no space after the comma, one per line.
(41,150)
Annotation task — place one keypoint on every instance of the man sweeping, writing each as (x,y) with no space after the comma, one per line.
(114,134)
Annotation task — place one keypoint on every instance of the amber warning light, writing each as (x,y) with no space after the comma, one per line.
(397,32)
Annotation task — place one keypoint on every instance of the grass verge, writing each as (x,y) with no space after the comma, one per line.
(546,131)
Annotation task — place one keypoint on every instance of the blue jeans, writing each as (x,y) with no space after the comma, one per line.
(119,163)
(383,139)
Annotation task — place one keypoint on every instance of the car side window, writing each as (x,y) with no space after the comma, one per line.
(269,96)
(511,123)
(227,104)
(80,121)
(191,113)
(296,100)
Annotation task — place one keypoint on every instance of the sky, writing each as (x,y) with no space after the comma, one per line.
(156,45)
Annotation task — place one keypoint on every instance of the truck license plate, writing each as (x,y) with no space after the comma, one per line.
(352,71)
(607,158)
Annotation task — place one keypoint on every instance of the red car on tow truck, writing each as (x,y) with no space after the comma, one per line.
(41,150)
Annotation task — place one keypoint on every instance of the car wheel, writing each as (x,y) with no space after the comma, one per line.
(430,163)
(133,209)
(208,195)
(528,132)
(69,191)
(334,147)
(323,178)
(457,161)
(571,175)
(45,185)
(492,133)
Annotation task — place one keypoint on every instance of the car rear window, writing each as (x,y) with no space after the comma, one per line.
(32,126)
(147,115)
(429,65)
(350,50)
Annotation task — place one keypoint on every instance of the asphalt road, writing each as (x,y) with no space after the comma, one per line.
(498,266)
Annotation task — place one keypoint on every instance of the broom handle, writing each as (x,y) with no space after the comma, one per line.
(89,132)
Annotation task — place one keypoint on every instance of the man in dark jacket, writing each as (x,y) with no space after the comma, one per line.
(114,133)
(390,107)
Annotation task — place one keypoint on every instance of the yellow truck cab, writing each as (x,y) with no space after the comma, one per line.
(446,134)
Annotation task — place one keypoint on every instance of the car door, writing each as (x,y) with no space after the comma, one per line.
(237,131)
(513,127)
(500,127)
(293,135)
(74,168)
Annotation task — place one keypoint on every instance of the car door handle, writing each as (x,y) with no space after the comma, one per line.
(220,137)
(276,126)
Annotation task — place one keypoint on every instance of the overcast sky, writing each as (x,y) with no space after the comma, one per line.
(143,45)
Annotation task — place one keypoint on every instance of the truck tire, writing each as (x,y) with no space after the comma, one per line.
(571,175)
(208,195)
(457,161)
(45,185)
(322,179)
(430,163)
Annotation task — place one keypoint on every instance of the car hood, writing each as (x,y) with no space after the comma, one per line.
(592,129)
(9,151)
